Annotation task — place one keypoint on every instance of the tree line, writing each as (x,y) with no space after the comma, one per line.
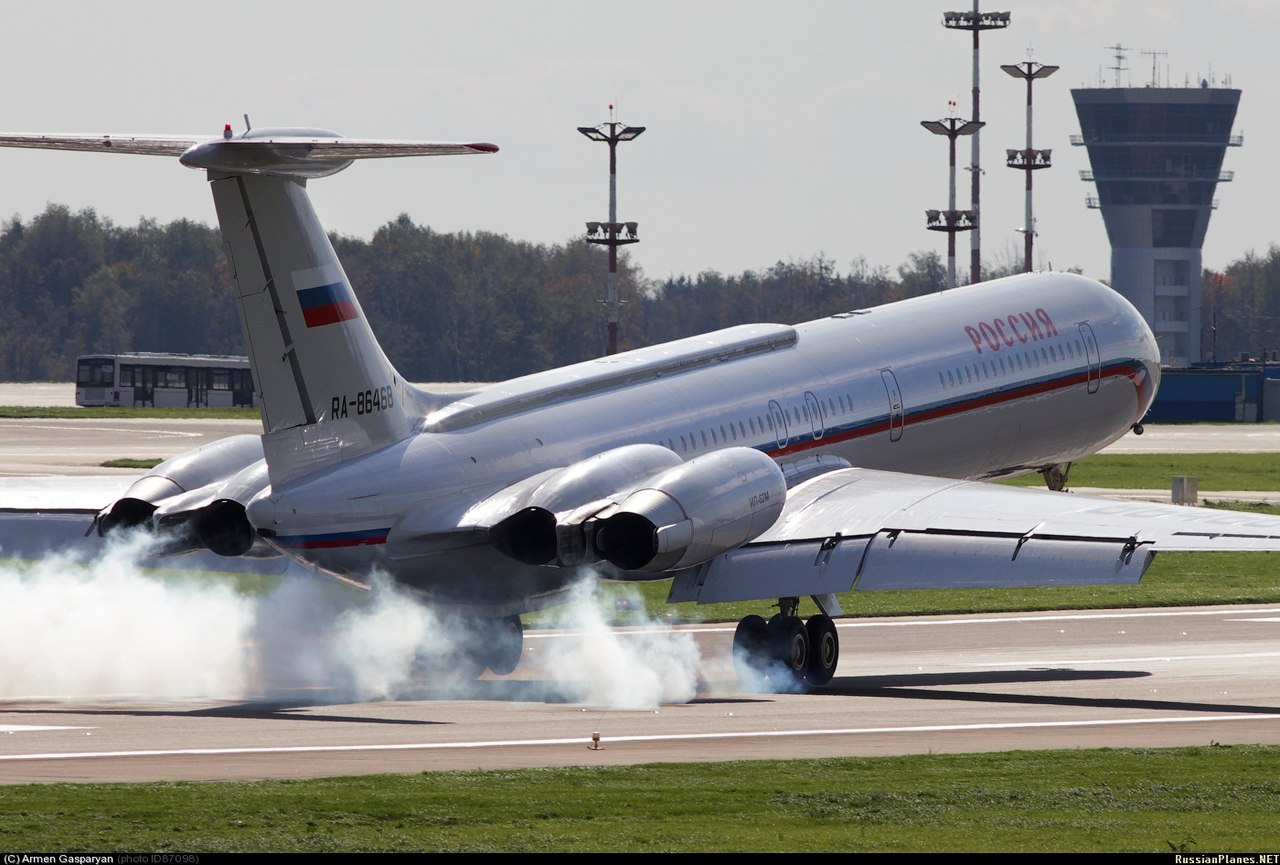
(467,306)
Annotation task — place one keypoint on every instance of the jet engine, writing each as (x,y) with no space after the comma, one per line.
(548,529)
(642,509)
(195,501)
(694,512)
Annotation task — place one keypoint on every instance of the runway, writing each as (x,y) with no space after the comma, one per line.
(1142,678)
(1129,678)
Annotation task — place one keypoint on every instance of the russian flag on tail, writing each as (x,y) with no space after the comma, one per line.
(327,304)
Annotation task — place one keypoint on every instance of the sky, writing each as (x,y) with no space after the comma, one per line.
(773,132)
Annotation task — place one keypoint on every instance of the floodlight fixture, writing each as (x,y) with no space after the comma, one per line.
(611,233)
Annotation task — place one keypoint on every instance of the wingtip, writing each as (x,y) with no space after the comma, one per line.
(483,147)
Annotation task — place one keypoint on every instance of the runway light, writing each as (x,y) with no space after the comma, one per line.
(595,741)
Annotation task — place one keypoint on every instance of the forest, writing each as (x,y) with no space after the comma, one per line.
(459,306)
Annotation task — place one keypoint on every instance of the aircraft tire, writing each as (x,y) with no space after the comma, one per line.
(751,647)
(505,644)
(824,650)
(789,642)
(467,666)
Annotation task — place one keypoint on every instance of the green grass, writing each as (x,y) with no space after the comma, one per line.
(1233,471)
(1189,800)
(28,412)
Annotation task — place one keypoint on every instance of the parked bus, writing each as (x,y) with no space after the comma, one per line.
(164,380)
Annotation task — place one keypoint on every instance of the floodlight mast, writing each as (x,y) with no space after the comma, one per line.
(1028,159)
(951,220)
(612,233)
(976,22)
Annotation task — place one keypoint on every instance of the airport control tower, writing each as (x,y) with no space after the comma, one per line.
(1156,155)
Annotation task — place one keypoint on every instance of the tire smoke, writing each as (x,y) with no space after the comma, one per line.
(109,629)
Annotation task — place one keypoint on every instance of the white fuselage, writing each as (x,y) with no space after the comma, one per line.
(976,382)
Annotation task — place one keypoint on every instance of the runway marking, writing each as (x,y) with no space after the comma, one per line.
(586,740)
(163,433)
(883,623)
(1040,663)
(33,728)
(1065,617)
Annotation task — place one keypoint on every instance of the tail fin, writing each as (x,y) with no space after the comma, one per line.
(326,389)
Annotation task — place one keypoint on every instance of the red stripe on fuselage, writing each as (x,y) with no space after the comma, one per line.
(1137,376)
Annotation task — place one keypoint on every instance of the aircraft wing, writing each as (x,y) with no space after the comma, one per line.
(40,516)
(62,494)
(300,146)
(864,529)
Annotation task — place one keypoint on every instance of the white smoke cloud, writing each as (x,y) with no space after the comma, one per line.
(106,630)
(638,667)
(110,629)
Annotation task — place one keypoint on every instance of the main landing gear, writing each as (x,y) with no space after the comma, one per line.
(490,644)
(785,652)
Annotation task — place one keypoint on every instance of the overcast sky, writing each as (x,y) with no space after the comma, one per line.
(774,132)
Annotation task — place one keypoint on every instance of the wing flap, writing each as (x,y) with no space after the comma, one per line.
(916,560)
(908,560)
(812,567)
(873,530)
(864,502)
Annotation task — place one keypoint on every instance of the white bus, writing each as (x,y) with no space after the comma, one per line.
(164,380)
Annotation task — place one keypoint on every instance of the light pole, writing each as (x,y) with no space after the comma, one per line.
(975,22)
(1029,159)
(951,220)
(612,233)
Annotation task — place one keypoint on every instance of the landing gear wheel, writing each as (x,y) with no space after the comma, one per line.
(505,645)
(466,665)
(824,650)
(790,644)
(1137,429)
(751,648)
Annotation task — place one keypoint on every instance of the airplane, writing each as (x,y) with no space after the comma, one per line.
(762,462)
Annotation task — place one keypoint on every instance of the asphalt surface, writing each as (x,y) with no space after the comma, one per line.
(1149,678)
(1132,678)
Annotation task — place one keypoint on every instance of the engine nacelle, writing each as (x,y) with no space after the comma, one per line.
(220,526)
(196,501)
(694,512)
(174,477)
(548,528)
